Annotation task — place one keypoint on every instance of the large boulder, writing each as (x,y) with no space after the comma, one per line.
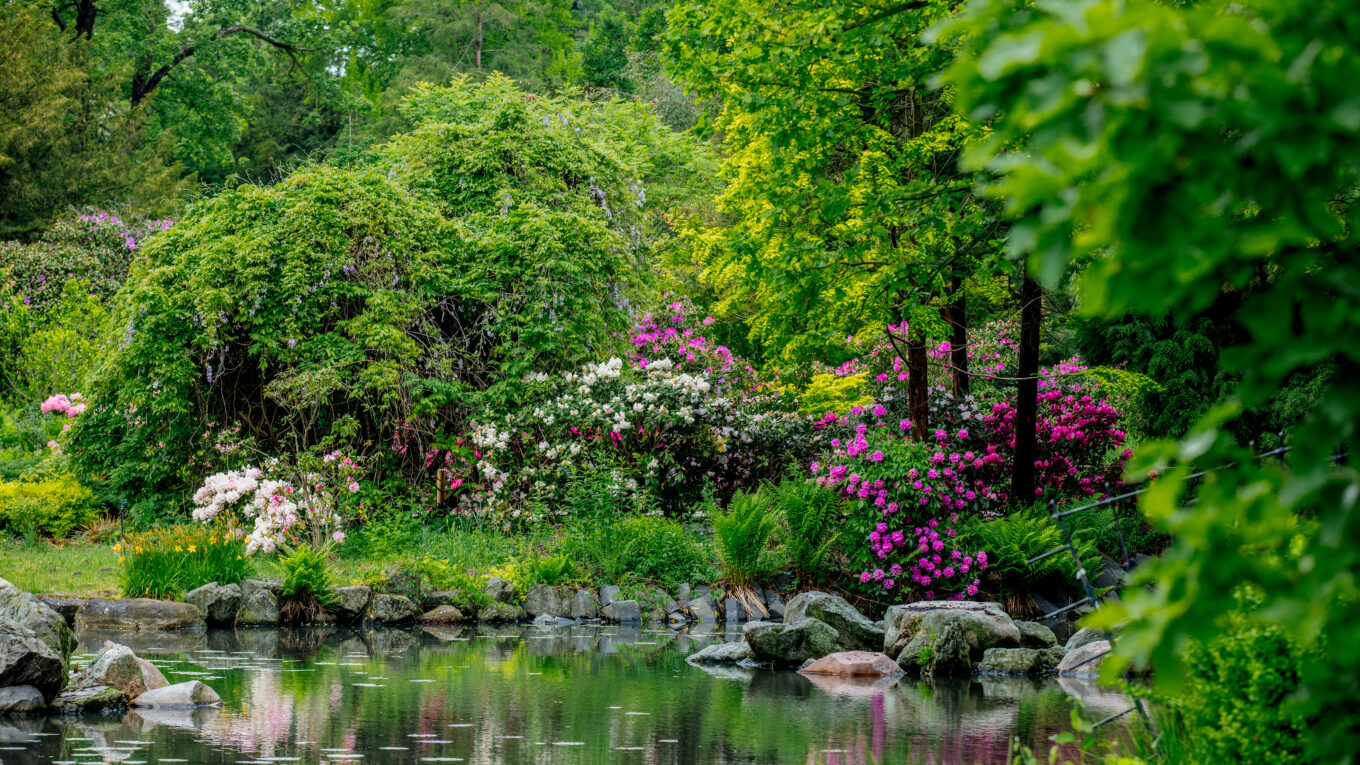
(261,607)
(27,610)
(179,695)
(27,660)
(138,614)
(546,600)
(702,609)
(392,609)
(218,602)
(349,604)
(1081,637)
(622,612)
(1085,661)
(96,699)
(1036,635)
(723,653)
(66,605)
(584,605)
(116,666)
(1019,661)
(442,615)
(982,626)
(939,652)
(856,631)
(608,593)
(270,584)
(500,590)
(854,664)
(500,613)
(6,587)
(21,700)
(792,643)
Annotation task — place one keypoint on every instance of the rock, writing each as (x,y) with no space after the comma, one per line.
(87,701)
(27,610)
(542,599)
(682,593)
(500,613)
(65,605)
(27,660)
(547,620)
(349,604)
(269,584)
(622,612)
(1081,637)
(853,664)
(607,594)
(116,666)
(584,605)
(677,620)
(662,600)
(442,615)
(391,609)
(792,643)
(190,694)
(1085,661)
(21,700)
(1019,661)
(1036,635)
(734,611)
(723,653)
(499,590)
(656,616)
(774,604)
(782,582)
(942,652)
(702,610)
(1111,574)
(138,614)
(982,626)
(261,607)
(218,603)
(5,587)
(856,631)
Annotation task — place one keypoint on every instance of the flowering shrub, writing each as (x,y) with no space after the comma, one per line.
(675,334)
(168,562)
(71,406)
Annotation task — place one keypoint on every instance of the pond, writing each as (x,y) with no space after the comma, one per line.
(568,695)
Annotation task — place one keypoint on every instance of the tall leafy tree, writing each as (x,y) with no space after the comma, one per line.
(845,192)
(1189,151)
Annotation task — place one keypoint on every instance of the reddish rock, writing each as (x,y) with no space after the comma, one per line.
(854,664)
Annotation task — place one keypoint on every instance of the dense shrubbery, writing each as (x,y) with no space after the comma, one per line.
(54,506)
(168,562)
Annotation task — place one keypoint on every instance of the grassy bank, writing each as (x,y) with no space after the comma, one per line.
(76,569)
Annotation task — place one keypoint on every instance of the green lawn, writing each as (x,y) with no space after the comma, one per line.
(76,569)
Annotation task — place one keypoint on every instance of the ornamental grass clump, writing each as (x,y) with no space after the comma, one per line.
(168,562)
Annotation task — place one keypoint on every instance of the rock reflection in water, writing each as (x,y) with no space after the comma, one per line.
(506,694)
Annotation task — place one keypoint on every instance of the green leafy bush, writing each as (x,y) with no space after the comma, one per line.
(307,583)
(743,533)
(1012,540)
(810,515)
(54,506)
(649,548)
(168,562)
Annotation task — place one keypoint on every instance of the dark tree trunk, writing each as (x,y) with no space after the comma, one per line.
(917,389)
(956,316)
(477,43)
(1027,399)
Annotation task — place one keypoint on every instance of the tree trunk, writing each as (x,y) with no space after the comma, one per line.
(1027,399)
(477,43)
(956,316)
(917,389)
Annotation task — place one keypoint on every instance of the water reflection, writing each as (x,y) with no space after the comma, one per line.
(532,694)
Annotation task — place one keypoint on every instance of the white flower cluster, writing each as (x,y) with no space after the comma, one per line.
(277,508)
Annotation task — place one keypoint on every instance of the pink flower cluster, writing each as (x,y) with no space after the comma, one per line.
(677,334)
(71,406)
(99,221)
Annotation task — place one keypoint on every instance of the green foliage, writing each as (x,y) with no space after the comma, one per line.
(535,569)
(827,392)
(64,346)
(54,506)
(169,561)
(811,515)
(1012,540)
(743,534)
(307,583)
(1183,151)
(649,548)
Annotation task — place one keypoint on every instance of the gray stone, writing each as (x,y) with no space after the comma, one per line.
(27,610)
(856,631)
(391,609)
(1085,661)
(270,584)
(584,605)
(1036,635)
(656,616)
(116,666)
(547,620)
(349,604)
(218,603)
(607,594)
(1111,574)
(500,613)
(853,664)
(723,653)
(96,699)
(499,590)
(664,601)
(702,610)
(622,612)
(444,598)
(939,652)
(442,615)
(5,587)
(734,611)
(27,660)
(138,614)
(66,605)
(682,594)
(21,700)
(792,643)
(260,608)
(676,620)
(179,695)
(774,604)
(982,625)
(543,599)
(1019,661)
(1081,637)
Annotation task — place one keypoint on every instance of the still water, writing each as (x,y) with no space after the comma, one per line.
(533,695)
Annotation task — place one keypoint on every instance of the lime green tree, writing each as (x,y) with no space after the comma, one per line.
(1185,151)
(848,211)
